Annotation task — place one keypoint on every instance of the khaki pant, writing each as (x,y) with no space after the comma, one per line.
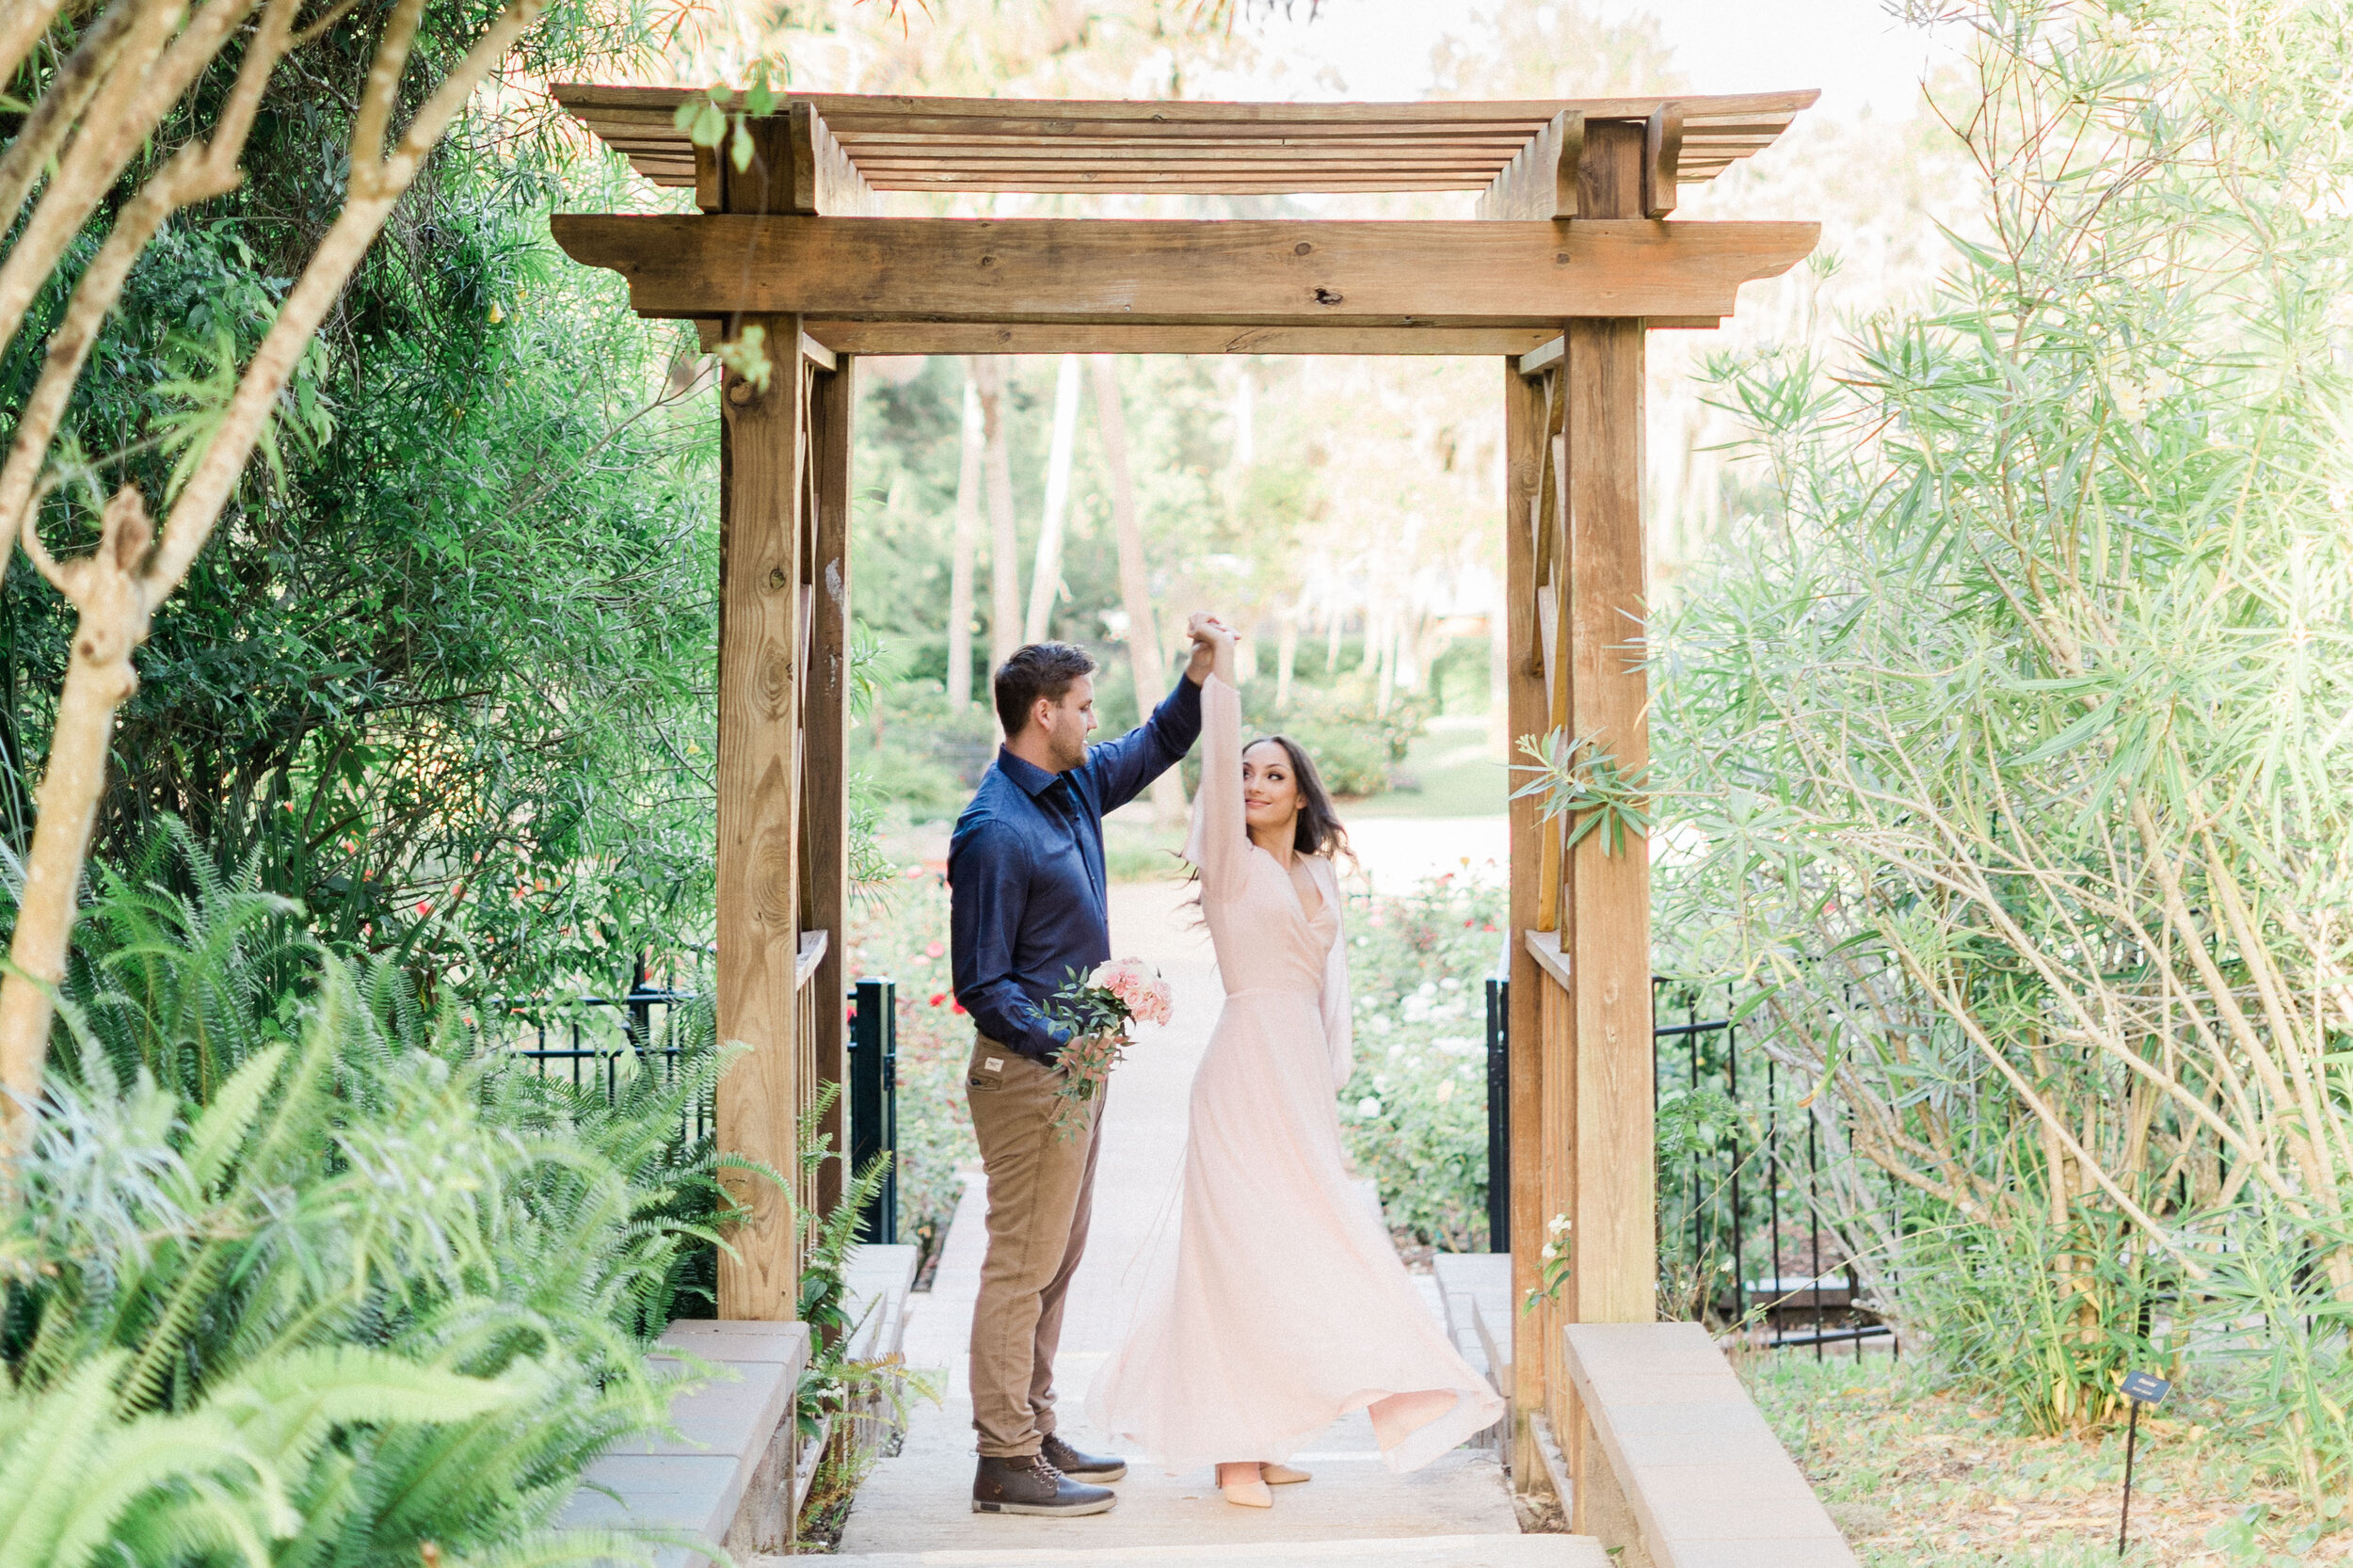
(1041,1193)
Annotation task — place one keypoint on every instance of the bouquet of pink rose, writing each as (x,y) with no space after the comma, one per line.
(1101,1009)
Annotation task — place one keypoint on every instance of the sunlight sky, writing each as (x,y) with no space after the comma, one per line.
(1851,49)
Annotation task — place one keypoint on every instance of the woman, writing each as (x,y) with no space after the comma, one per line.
(1289,1308)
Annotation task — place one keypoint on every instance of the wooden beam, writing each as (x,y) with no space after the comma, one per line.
(825,853)
(817,353)
(1609,176)
(1048,152)
(709,185)
(1546,355)
(1607,935)
(1663,155)
(759,765)
(1087,139)
(1532,1142)
(917,336)
(833,185)
(1540,182)
(796,169)
(1600,1067)
(1174,181)
(1242,272)
(653,108)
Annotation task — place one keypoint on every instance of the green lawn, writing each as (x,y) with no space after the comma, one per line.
(1449,772)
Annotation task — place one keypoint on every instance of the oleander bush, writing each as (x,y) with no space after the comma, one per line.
(2006,753)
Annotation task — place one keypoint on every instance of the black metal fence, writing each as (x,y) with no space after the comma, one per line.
(595,1036)
(873,1090)
(1750,1192)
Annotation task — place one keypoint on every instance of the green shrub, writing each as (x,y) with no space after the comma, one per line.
(308,1273)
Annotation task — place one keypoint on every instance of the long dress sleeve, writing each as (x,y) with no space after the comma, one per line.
(1339,1032)
(1220,845)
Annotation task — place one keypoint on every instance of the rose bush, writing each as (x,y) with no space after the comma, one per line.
(902,935)
(1415,1114)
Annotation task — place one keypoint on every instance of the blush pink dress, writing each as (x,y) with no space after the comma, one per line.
(1287,1307)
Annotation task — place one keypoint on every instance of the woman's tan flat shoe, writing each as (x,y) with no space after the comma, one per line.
(1282,1474)
(1247,1494)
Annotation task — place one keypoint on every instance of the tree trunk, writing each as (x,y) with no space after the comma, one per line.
(967,540)
(1145,661)
(1004,550)
(99,679)
(1285,660)
(115,589)
(1045,581)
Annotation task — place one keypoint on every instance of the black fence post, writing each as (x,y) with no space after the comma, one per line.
(873,1112)
(1498,1114)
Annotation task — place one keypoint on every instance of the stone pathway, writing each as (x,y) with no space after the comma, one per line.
(920,1501)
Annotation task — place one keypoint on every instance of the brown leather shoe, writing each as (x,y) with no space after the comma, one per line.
(1031,1484)
(1070,1461)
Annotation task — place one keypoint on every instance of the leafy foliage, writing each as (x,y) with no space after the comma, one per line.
(444,664)
(316,1276)
(2007,752)
(1578,780)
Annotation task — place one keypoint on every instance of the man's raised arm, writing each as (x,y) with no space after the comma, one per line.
(1123,769)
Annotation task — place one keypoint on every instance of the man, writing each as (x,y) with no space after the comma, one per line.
(1025,871)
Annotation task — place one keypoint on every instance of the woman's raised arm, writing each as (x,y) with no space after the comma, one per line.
(1220,845)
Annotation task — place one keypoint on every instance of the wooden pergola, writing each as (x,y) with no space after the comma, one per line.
(1571,260)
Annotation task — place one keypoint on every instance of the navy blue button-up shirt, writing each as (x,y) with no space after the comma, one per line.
(1027,891)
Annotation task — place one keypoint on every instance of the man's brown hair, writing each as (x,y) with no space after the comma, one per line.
(1040,670)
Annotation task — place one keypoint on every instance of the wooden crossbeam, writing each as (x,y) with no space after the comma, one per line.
(1239,273)
(870,338)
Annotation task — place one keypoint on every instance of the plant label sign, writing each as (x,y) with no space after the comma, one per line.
(2146,1387)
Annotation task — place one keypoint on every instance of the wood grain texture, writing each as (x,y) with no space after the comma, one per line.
(757,917)
(926,337)
(1546,355)
(1607,897)
(1101,147)
(1662,159)
(826,744)
(836,188)
(1556,1194)
(1609,176)
(1597,1037)
(1540,183)
(709,188)
(1532,1142)
(1240,272)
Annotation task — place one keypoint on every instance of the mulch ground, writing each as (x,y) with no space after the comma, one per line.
(1918,1474)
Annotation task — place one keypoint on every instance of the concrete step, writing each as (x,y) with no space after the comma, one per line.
(1427,1551)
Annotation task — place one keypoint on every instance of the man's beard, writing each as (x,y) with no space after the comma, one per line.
(1070,751)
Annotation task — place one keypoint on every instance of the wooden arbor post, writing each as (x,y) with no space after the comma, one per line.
(784,608)
(1581,1050)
